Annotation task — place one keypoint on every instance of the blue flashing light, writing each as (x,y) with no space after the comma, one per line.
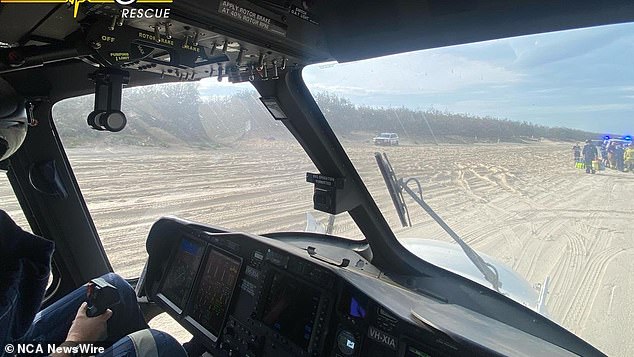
(607,137)
(627,137)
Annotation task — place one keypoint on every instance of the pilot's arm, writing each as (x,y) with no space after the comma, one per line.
(86,329)
(25,265)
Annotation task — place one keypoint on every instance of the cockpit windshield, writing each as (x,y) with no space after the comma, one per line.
(523,147)
(207,152)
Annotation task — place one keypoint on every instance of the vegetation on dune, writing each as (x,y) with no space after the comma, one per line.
(345,117)
(175,114)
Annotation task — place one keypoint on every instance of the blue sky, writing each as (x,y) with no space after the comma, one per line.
(581,79)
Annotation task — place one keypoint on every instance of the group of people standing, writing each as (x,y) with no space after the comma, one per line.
(612,154)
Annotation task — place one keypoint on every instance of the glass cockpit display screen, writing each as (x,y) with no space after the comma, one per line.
(181,273)
(210,300)
(291,307)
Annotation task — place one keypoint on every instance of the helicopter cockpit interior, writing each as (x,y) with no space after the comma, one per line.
(280,293)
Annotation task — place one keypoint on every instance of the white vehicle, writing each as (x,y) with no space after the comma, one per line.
(390,139)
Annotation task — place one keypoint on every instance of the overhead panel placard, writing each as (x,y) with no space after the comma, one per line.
(303,14)
(251,17)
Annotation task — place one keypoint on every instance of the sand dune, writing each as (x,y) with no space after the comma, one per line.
(524,204)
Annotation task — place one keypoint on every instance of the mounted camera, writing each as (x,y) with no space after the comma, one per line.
(107,114)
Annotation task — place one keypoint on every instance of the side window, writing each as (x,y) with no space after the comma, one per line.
(9,203)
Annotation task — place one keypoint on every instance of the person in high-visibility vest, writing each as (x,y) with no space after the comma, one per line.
(628,157)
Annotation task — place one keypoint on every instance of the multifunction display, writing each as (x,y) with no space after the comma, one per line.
(181,273)
(291,308)
(210,300)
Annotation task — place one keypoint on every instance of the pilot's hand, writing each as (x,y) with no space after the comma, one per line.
(88,329)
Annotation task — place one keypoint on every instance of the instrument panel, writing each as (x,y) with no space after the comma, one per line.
(248,295)
(260,303)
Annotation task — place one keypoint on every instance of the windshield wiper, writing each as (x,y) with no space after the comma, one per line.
(396,187)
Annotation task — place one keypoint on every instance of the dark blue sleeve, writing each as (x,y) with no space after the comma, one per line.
(25,265)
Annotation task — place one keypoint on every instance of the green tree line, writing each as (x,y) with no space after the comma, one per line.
(429,125)
(176,114)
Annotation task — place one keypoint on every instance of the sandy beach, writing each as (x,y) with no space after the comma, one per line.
(524,204)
